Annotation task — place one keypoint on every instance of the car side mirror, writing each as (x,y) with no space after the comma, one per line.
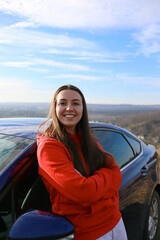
(41,225)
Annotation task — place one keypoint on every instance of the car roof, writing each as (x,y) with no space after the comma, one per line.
(21,127)
(27,127)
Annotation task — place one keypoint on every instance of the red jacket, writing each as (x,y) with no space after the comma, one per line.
(92,203)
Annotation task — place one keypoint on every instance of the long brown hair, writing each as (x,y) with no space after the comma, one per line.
(94,156)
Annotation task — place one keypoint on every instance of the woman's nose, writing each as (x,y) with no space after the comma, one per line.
(69,107)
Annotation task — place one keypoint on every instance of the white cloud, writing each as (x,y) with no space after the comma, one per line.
(136,15)
(73,67)
(113,79)
(22,25)
(5,41)
(40,70)
(77,77)
(79,52)
(40,40)
(93,56)
(138,80)
(16,64)
(85,13)
(100,60)
(149,39)
(48,63)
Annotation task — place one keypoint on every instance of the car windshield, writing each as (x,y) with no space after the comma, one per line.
(10,147)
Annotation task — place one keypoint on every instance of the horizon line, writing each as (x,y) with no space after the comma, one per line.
(113,104)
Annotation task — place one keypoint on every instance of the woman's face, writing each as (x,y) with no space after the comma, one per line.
(69,109)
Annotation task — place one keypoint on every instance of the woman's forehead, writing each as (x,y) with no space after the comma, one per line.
(69,95)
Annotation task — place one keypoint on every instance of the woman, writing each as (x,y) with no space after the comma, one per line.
(82,179)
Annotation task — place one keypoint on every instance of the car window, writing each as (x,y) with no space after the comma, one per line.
(135,144)
(10,147)
(116,144)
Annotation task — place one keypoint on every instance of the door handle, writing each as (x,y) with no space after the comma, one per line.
(144,170)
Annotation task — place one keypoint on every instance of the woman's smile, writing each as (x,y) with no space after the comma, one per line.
(69,116)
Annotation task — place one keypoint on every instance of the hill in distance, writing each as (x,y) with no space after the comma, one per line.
(95,111)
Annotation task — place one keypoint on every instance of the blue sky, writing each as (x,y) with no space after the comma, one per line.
(110,49)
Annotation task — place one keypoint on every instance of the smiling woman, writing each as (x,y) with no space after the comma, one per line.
(82,179)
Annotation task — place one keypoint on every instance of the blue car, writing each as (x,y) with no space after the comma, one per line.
(25,208)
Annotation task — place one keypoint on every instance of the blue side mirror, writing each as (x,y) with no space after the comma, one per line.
(41,225)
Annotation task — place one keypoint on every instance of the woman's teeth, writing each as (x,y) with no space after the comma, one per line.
(69,116)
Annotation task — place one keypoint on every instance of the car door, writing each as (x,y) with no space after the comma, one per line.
(18,168)
(129,156)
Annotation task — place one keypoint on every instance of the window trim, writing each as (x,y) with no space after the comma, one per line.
(137,140)
(123,134)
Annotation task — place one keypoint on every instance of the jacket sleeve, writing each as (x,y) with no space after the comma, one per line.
(57,168)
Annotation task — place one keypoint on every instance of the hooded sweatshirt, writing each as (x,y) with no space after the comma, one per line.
(90,203)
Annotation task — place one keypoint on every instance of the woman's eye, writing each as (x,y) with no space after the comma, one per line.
(76,103)
(62,103)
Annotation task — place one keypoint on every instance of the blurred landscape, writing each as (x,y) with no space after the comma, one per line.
(141,120)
